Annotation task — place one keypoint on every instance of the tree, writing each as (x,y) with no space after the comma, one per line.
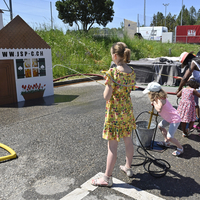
(185,17)
(87,12)
(198,18)
(170,22)
(188,18)
(158,20)
(193,15)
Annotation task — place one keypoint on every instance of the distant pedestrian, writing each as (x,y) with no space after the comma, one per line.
(158,98)
(119,118)
(186,107)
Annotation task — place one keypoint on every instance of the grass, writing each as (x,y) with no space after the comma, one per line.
(85,53)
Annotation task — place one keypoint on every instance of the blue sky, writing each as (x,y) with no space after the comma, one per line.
(38,12)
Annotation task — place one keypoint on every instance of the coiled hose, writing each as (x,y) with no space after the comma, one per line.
(150,161)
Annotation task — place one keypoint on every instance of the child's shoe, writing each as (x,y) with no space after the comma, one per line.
(128,172)
(178,152)
(188,132)
(163,144)
(107,182)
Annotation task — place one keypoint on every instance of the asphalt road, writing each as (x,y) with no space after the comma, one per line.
(59,147)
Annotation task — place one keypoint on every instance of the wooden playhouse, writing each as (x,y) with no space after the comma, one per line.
(25,63)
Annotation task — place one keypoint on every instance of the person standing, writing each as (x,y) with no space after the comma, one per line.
(193,71)
(119,117)
(186,107)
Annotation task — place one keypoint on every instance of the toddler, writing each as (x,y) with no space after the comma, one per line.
(186,107)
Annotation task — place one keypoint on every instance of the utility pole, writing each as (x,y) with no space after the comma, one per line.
(11,13)
(165,11)
(182,13)
(138,24)
(51,15)
(144,13)
(9,8)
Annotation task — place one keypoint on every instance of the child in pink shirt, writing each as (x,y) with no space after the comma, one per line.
(158,98)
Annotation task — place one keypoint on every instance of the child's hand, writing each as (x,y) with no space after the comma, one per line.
(158,105)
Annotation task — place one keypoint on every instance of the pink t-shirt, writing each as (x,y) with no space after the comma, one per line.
(169,113)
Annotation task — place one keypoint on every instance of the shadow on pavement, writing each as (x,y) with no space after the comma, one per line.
(190,152)
(174,185)
(194,137)
(45,101)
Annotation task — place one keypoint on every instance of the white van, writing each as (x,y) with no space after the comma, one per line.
(152,32)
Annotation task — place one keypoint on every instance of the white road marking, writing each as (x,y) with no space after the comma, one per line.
(77,194)
(118,185)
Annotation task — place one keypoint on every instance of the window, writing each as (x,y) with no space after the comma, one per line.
(27,68)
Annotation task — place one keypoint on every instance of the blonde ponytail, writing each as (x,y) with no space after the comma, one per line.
(127,55)
(121,50)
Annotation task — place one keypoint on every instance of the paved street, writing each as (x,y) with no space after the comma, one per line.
(59,147)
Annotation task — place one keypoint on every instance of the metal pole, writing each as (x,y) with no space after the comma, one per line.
(138,24)
(165,11)
(11,14)
(51,15)
(144,13)
(182,13)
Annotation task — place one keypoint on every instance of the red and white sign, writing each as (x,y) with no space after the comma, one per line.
(191,33)
(188,34)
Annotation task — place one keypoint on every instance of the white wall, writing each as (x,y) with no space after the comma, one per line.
(167,37)
(14,54)
(130,27)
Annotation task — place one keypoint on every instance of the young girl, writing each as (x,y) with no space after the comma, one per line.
(193,63)
(158,98)
(119,118)
(186,107)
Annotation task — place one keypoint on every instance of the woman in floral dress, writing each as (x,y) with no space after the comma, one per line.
(119,118)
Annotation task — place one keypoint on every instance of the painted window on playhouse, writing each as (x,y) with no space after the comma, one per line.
(33,67)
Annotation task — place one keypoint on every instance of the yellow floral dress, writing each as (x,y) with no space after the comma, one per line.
(119,118)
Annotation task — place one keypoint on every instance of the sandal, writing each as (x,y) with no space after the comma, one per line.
(184,135)
(196,127)
(128,172)
(163,144)
(106,179)
(188,132)
(178,152)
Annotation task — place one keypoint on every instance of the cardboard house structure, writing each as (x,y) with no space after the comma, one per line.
(25,63)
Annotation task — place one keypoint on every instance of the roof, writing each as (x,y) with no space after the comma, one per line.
(17,34)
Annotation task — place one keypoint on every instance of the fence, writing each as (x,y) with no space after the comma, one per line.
(187,39)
